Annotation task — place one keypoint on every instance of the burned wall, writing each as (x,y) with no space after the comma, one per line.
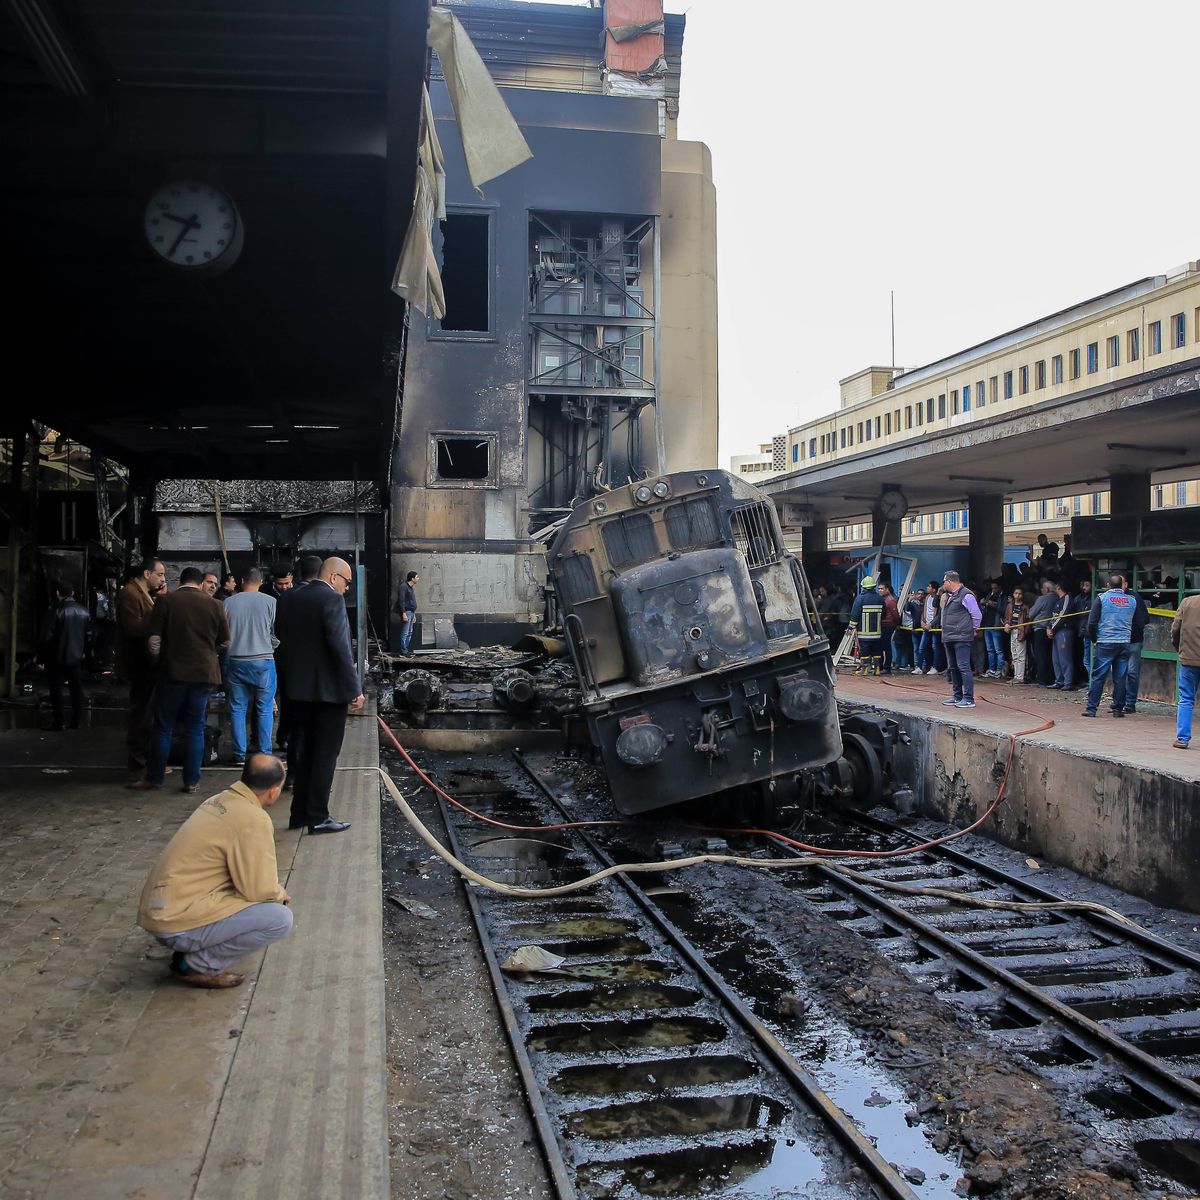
(465,396)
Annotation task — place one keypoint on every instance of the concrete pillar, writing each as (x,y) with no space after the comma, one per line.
(815,538)
(1129,493)
(985,521)
(884,533)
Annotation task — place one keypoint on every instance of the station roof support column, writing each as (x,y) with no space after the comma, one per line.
(985,524)
(815,538)
(1129,493)
(883,531)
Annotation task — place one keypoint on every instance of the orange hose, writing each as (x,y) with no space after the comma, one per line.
(477,815)
(767,833)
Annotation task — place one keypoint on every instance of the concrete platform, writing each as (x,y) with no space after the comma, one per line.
(1109,798)
(116,1080)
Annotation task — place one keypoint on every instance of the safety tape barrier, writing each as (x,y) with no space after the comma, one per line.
(1083,612)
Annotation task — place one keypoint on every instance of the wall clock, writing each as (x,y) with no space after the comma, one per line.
(193,226)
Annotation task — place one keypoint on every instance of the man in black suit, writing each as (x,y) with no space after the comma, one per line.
(320,681)
(287,739)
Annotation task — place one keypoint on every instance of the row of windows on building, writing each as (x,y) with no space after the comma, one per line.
(1015,513)
(976,396)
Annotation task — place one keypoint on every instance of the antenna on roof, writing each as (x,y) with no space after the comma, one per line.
(893,331)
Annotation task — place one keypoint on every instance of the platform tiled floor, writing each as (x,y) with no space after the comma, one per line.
(116,1081)
(1142,740)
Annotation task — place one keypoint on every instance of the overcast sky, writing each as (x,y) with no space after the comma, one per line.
(992,163)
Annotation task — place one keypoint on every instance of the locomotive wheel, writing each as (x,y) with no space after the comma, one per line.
(865,770)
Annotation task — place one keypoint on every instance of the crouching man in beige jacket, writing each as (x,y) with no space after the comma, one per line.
(214,894)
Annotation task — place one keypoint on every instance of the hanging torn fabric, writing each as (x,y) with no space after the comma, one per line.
(417,278)
(492,140)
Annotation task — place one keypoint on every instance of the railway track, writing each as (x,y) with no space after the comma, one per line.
(650,1073)
(1113,1011)
(646,1073)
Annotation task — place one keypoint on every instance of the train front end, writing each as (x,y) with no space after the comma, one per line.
(691,626)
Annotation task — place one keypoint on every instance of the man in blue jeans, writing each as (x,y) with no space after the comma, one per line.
(930,648)
(1110,624)
(1133,655)
(187,631)
(961,618)
(406,606)
(1185,636)
(250,669)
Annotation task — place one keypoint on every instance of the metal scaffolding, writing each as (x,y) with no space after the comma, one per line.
(594,355)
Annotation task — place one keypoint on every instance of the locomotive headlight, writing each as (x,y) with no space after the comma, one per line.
(642,495)
(661,489)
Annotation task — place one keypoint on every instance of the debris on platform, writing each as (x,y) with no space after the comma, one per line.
(416,907)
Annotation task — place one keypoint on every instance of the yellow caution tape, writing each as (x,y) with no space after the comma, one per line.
(1083,612)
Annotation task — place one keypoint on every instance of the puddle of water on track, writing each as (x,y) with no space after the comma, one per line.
(622,947)
(655,1076)
(648,1033)
(775,1167)
(631,971)
(1131,1102)
(1178,1158)
(827,1049)
(1136,1006)
(677,1116)
(614,999)
(571,927)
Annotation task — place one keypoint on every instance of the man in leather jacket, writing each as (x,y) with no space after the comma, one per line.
(65,644)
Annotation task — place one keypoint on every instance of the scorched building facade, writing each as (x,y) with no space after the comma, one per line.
(578,346)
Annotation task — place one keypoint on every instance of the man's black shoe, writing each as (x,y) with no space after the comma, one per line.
(1087,712)
(329,825)
(1130,711)
(1118,712)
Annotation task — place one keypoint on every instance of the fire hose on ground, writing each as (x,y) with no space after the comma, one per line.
(814,856)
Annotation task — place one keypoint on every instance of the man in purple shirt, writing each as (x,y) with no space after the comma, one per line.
(960,619)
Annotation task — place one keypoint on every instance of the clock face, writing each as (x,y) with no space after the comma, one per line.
(193,225)
(893,504)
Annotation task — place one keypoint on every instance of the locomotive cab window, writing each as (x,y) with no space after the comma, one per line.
(630,540)
(753,533)
(692,525)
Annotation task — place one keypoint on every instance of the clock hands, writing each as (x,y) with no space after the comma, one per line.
(187,223)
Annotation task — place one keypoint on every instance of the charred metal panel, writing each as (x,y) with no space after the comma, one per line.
(602,639)
(722,732)
(267,495)
(688,614)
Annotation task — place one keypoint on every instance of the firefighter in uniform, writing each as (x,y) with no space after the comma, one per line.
(866,619)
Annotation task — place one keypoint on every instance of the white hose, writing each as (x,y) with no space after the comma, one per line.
(564,889)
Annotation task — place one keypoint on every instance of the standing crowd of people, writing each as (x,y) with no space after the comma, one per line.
(274,644)
(1037,624)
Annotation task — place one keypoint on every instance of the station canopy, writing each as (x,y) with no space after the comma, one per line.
(305,117)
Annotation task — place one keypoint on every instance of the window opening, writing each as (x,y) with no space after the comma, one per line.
(466,271)
(752,533)
(463,458)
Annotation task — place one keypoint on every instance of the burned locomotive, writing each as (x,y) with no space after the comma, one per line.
(690,626)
